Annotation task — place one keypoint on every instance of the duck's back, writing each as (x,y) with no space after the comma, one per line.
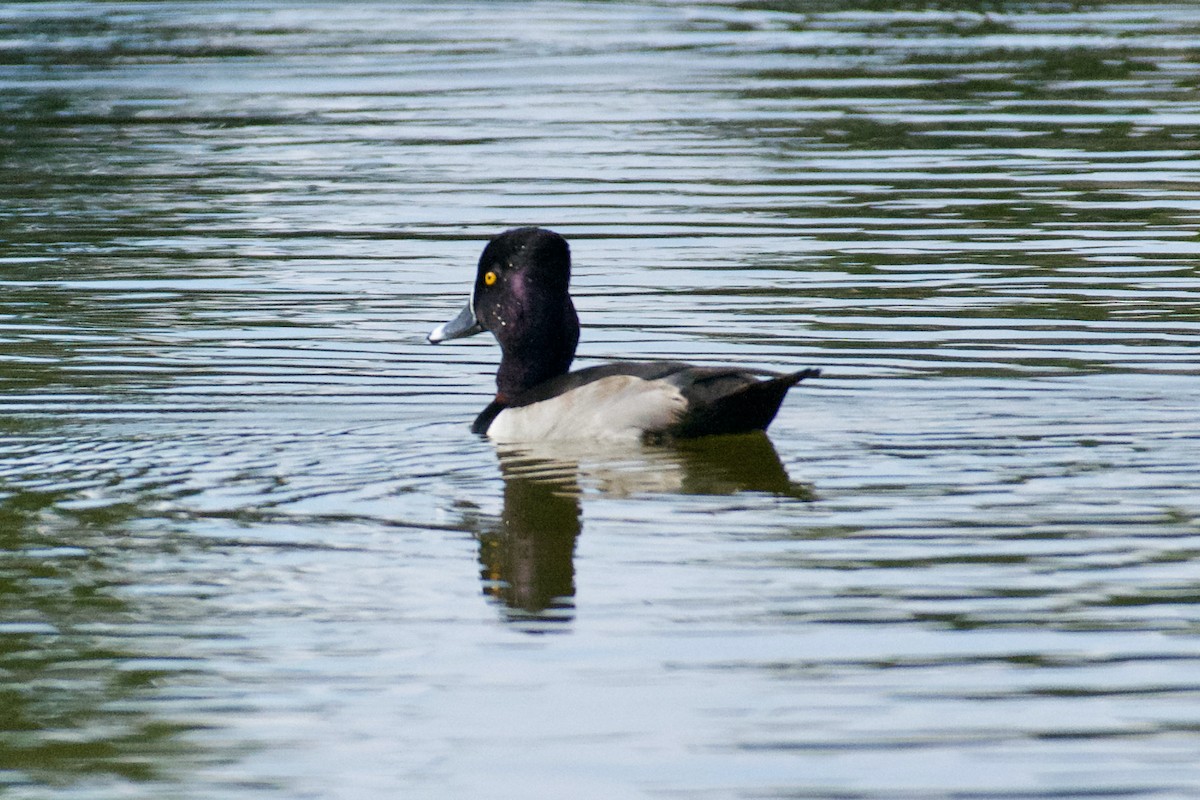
(639,400)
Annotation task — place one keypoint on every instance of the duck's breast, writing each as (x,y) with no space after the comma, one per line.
(614,407)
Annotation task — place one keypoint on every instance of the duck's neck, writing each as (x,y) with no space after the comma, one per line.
(544,351)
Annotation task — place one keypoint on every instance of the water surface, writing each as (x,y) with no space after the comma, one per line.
(249,548)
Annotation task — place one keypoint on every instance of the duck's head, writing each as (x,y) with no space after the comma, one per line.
(521,296)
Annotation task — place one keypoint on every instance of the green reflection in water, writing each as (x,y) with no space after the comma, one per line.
(74,696)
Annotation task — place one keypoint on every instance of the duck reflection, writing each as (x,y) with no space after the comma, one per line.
(527,557)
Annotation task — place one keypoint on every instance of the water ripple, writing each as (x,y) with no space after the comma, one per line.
(249,549)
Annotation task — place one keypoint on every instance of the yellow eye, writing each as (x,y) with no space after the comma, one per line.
(489,277)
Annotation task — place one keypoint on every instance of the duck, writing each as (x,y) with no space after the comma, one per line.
(522,296)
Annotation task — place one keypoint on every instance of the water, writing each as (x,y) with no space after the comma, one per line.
(250,550)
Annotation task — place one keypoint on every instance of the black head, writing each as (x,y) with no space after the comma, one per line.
(521,296)
(522,273)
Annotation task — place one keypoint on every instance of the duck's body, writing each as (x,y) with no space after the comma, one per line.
(521,296)
(638,399)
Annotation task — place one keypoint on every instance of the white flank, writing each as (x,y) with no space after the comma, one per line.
(620,407)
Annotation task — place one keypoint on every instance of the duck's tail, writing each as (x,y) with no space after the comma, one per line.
(750,406)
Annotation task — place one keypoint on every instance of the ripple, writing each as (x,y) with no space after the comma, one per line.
(250,548)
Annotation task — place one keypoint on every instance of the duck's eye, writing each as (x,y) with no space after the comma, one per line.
(489,277)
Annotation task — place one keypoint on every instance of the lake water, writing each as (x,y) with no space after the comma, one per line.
(249,549)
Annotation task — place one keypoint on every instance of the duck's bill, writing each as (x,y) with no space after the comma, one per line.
(464,324)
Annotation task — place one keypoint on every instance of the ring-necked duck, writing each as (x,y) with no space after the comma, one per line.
(521,296)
